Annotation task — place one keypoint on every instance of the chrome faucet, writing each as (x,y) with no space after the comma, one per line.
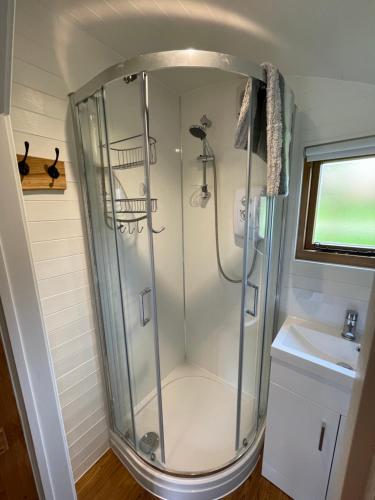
(350,326)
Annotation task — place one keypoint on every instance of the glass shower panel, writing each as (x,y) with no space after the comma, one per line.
(126,116)
(275,228)
(212,301)
(104,256)
(254,303)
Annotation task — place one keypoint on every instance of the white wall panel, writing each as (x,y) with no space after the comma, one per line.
(32,76)
(27,121)
(66,380)
(63,318)
(73,353)
(86,403)
(52,210)
(71,330)
(52,59)
(42,250)
(87,423)
(97,429)
(27,49)
(44,231)
(62,265)
(213,304)
(64,283)
(71,393)
(24,97)
(67,299)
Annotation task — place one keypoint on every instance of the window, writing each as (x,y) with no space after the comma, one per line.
(337,212)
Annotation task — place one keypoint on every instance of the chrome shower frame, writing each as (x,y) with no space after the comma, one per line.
(188,58)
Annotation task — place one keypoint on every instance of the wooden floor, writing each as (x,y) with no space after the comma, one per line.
(109,480)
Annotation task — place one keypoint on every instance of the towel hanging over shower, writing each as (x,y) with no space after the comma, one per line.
(273,111)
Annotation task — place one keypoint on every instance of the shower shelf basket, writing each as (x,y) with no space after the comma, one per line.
(134,206)
(129,152)
(129,211)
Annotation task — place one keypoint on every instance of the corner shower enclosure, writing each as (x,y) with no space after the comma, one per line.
(186,352)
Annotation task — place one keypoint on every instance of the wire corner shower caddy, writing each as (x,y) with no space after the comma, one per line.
(129,152)
(126,154)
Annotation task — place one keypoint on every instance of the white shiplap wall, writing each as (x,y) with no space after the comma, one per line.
(52,58)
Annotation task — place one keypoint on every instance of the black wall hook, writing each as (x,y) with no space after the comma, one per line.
(52,170)
(23,167)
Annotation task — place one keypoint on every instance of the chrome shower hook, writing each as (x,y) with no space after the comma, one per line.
(134,228)
(139,231)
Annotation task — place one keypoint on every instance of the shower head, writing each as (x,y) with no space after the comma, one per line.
(198,131)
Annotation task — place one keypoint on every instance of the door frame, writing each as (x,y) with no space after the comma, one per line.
(24,338)
(10,382)
(26,332)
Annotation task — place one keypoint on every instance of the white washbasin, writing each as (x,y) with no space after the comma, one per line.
(317,349)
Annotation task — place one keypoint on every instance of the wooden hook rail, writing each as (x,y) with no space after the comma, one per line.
(41,173)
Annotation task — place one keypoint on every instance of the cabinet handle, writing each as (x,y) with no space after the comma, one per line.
(321,438)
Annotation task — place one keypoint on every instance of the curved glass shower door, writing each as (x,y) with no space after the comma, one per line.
(211,339)
(185,258)
(114,127)
(98,201)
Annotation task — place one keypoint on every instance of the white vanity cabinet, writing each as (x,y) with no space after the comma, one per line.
(300,443)
(305,421)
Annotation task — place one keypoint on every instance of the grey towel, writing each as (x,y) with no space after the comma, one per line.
(272,126)
(240,139)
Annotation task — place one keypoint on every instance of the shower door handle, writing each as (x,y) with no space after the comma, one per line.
(254,311)
(143,318)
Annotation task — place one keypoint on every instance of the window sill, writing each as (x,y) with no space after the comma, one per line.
(335,258)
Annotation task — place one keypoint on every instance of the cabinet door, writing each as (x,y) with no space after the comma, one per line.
(299,445)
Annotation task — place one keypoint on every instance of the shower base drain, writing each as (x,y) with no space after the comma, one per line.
(149,442)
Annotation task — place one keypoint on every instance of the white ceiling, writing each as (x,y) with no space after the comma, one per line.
(326,38)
